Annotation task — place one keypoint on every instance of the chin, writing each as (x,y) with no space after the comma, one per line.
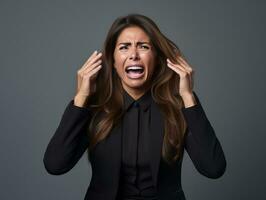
(136,84)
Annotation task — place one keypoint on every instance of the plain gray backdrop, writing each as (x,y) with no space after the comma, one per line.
(44,43)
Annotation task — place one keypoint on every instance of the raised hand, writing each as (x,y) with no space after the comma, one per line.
(185,72)
(86,78)
(186,83)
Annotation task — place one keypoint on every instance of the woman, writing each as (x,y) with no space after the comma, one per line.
(135,111)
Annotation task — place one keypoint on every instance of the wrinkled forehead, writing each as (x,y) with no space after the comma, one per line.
(132,34)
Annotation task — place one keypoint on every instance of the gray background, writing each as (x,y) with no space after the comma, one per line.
(44,43)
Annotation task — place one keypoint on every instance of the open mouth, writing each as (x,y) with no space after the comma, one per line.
(135,69)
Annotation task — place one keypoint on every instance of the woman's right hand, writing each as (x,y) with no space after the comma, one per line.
(86,78)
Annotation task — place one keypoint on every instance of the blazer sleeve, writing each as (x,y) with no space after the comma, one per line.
(69,141)
(201,143)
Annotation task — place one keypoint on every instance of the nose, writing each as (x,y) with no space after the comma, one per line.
(134,55)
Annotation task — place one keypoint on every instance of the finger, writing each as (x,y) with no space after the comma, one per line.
(177,69)
(182,60)
(184,63)
(182,73)
(94,75)
(190,73)
(95,59)
(92,72)
(177,64)
(89,59)
(187,69)
(92,67)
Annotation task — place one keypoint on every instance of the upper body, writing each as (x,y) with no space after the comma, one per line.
(142,160)
(70,142)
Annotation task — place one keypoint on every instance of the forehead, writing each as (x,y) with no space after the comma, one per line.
(133,34)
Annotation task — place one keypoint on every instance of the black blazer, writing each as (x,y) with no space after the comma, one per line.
(70,142)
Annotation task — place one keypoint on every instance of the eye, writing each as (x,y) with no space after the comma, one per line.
(145,47)
(122,47)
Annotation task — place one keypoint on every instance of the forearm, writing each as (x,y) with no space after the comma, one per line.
(69,140)
(189,100)
(202,144)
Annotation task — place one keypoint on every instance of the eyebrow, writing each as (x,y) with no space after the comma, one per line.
(138,43)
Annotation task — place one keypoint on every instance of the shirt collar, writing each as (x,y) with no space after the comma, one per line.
(144,101)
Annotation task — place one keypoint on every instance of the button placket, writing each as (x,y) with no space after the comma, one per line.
(136,131)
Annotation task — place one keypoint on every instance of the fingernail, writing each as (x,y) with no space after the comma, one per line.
(95,51)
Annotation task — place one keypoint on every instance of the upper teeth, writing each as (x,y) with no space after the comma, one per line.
(134,67)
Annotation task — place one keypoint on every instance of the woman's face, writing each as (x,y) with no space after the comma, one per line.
(134,59)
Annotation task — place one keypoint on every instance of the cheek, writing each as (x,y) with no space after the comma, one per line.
(149,59)
(119,64)
(119,59)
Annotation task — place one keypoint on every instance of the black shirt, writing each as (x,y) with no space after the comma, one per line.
(136,173)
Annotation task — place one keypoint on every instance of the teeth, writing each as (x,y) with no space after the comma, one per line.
(134,67)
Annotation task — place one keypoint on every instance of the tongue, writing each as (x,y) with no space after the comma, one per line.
(135,71)
(134,74)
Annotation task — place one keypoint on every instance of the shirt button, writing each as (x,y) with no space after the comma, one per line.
(136,104)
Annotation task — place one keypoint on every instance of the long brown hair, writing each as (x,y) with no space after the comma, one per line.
(107,101)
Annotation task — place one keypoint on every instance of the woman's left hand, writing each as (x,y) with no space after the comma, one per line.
(185,72)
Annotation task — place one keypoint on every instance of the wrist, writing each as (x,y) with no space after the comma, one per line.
(80,100)
(188,99)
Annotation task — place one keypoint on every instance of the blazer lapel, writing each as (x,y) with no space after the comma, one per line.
(156,140)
